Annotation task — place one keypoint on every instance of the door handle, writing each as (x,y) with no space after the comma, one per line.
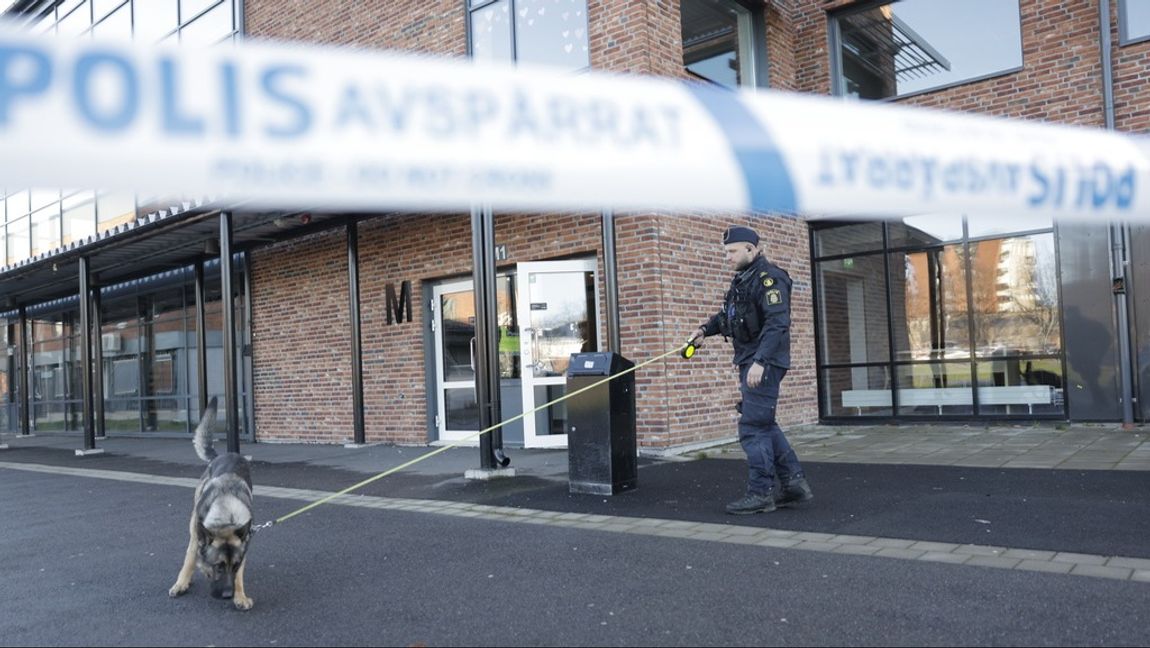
(471,348)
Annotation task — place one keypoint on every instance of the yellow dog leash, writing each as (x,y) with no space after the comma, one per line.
(686,350)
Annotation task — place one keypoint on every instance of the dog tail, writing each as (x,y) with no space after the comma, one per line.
(203,439)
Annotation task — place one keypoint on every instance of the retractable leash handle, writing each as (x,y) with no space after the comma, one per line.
(688,349)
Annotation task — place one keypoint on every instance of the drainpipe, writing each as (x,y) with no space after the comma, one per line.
(1117,233)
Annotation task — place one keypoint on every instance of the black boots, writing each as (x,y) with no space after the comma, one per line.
(752,503)
(794,492)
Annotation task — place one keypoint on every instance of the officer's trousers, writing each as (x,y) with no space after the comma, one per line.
(769,455)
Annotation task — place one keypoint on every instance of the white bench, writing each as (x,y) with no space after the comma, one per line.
(1029,395)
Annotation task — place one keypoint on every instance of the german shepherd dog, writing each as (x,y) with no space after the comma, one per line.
(221,523)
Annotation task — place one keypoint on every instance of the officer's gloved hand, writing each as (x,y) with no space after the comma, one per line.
(697,338)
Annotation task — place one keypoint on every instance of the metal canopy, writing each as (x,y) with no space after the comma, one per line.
(885,43)
(151,244)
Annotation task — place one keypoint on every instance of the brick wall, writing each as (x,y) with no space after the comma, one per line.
(414,25)
(301,343)
(671,275)
(671,269)
(1060,80)
(1131,69)
(301,328)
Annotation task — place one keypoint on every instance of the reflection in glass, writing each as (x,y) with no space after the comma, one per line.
(124,377)
(980,226)
(55,378)
(552,419)
(44,197)
(208,29)
(927,229)
(995,298)
(509,365)
(122,415)
(1134,20)
(115,209)
(1015,291)
(857,391)
(101,7)
(457,312)
(155,19)
(546,32)
(847,239)
(165,415)
(491,32)
(9,397)
(1020,386)
(928,304)
(18,204)
(117,26)
(461,408)
(190,8)
(552,32)
(46,229)
(852,310)
(717,42)
(75,23)
(935,389)
(915,45)
(18,240)
(560,306)
(79,216)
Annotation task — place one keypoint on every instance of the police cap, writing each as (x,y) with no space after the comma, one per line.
(736,234)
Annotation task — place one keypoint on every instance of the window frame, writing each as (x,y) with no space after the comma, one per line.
(1124,37)
(834,49)
(472,6)
(892,364)
(752,31)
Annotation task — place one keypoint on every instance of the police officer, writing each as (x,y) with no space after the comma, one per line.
(756,317)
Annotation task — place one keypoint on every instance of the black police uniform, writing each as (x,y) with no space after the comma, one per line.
(756,317)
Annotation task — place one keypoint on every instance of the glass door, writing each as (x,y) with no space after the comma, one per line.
(558,314)
(454,305)
(457,416)
(546,311)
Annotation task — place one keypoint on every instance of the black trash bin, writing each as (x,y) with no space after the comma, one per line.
(601,447)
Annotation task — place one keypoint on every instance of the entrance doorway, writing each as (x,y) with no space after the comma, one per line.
(546,311)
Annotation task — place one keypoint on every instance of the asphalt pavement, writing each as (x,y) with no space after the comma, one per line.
(88,555)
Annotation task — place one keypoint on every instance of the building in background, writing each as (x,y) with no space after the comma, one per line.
(934,317)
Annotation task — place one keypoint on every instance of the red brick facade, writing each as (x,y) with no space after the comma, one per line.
(671,269)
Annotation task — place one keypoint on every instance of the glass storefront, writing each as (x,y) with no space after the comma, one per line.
(939,315)
(148,343)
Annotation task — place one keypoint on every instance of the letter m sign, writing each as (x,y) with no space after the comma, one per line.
(397,305)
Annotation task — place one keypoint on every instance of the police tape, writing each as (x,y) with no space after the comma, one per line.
(294,127)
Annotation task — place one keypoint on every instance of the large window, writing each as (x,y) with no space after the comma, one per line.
(37,221)
(546,32)
(186,21)
(718,42)
(939,315)
(898,48)
(1133,21)
(147,342)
